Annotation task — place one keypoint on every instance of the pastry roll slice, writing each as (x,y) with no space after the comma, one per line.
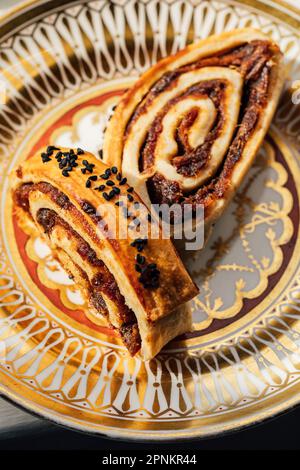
(138,284)
(189,128)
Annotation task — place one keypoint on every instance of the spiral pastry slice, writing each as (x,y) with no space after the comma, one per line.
(190,127)
(138,284)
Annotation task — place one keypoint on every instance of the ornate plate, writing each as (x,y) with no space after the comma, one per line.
(64,65)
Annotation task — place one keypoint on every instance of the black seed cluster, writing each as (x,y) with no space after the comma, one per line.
(110,189)
(149,273)
(49,152)
(139,243)
(87,167)
(91,178)
(149,276)
(66,160)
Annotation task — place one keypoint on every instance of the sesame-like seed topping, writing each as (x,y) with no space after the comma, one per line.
(106,196)
(140,258)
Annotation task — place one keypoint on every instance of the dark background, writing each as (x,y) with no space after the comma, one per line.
(280,433)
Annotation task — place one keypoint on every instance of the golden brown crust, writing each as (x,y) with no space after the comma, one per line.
(233,80)
(65,210)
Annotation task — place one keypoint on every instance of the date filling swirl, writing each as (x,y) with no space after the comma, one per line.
(190,127)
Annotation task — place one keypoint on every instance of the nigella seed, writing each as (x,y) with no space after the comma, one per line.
(139,241)
(106,196)
(150,276)
(104,177)
(116,190)
(123,181)
(138,268)
(45,158)
(52,148)
(110,183)
(129,190)
(88,184)
(111,194)
(88,166)
(129,197)
(140,258)
(108,171)
(119,176)
(114,170)
(101,187)
(93,178)
(80,151)
(65,173)
(119,203)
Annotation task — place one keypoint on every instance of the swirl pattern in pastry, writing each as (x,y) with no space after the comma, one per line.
(190,127)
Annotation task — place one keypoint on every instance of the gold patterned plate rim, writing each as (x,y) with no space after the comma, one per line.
(174,422)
